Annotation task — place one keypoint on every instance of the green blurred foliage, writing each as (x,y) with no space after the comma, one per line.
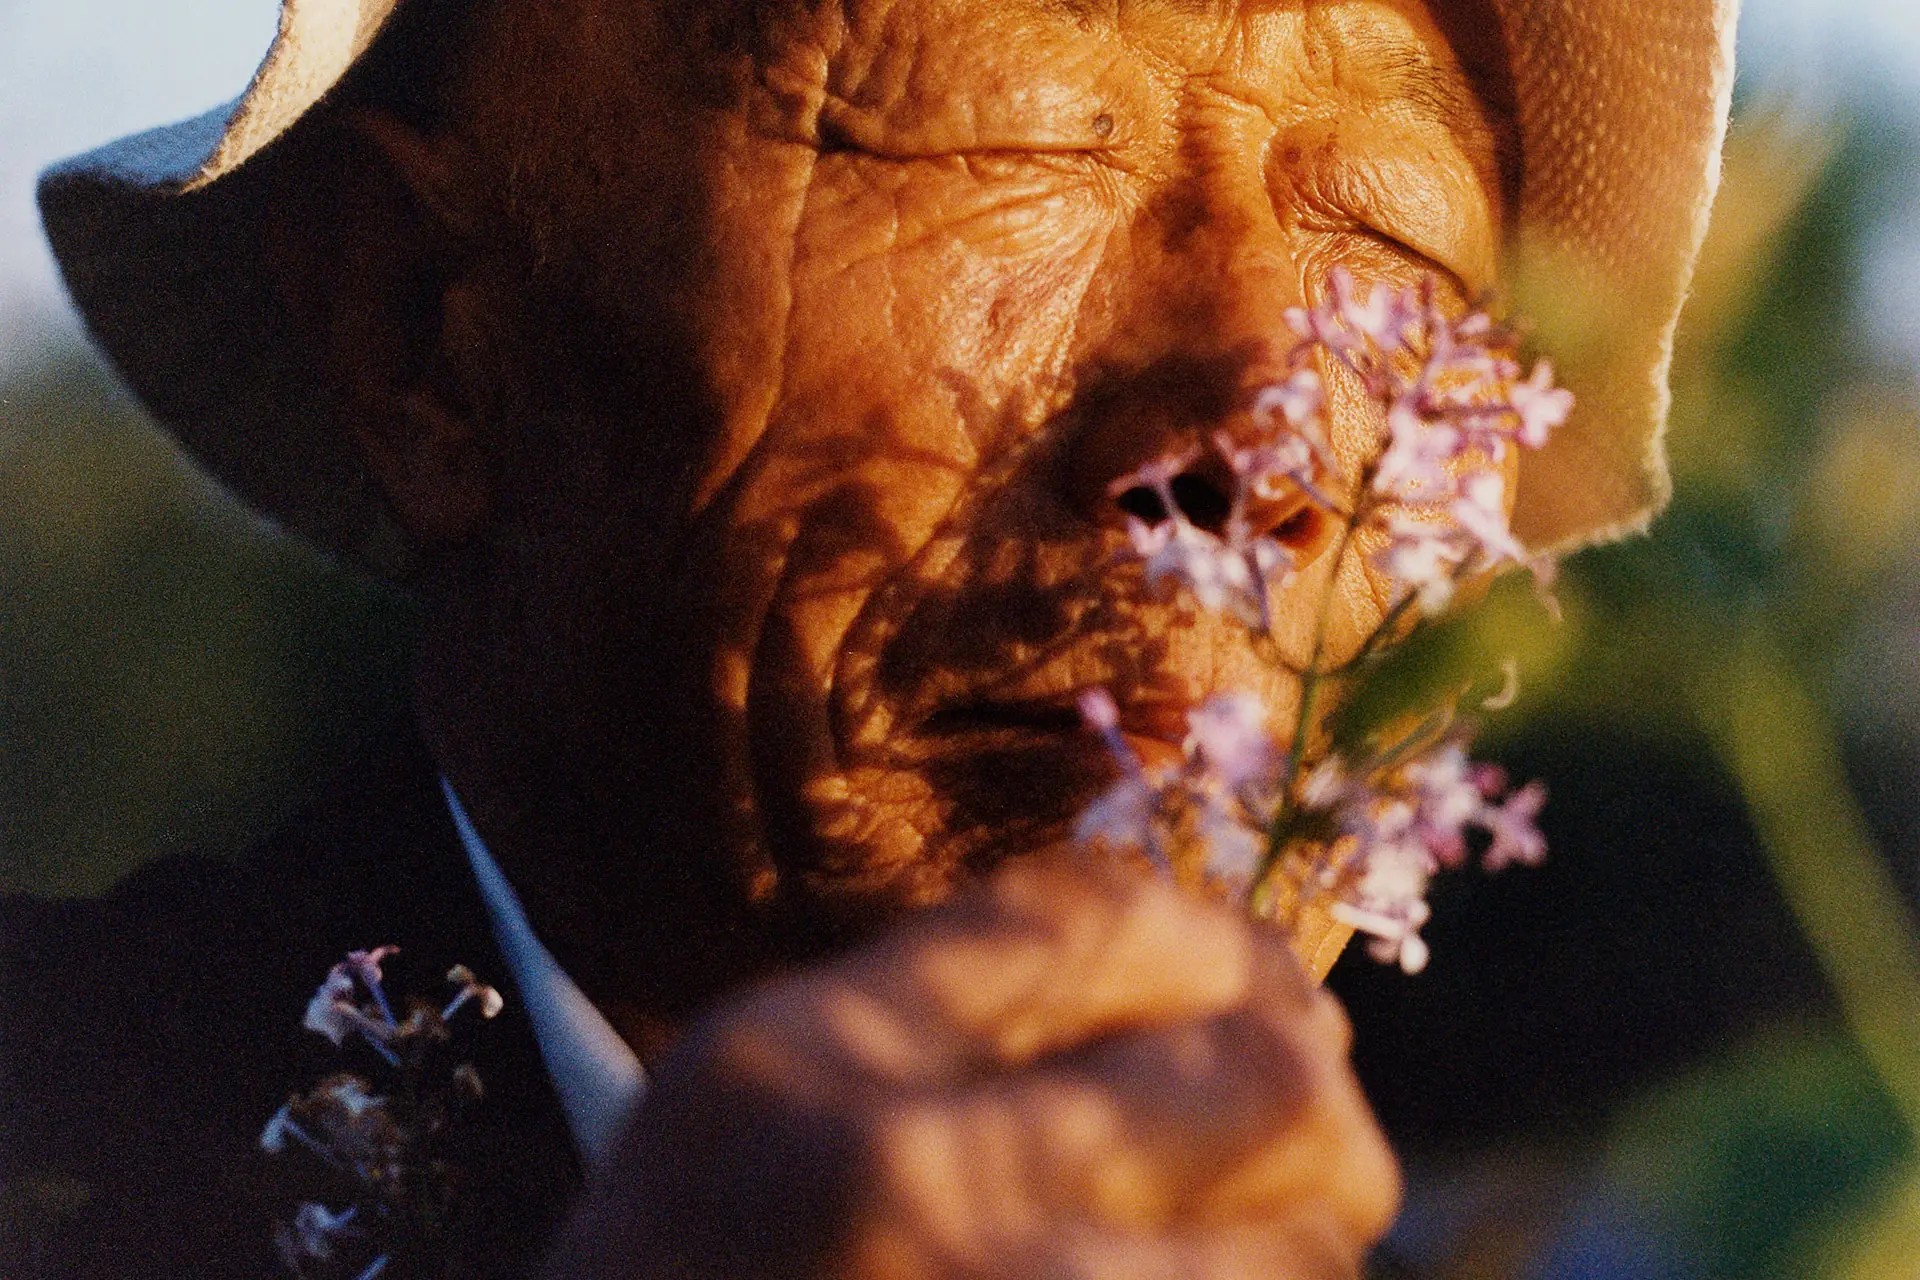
(1764,1160)
(173,677)
(1726,635)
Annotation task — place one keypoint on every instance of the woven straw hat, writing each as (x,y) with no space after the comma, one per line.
(1622,108)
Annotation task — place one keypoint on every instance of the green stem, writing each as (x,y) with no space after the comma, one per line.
(1379,634)
(1311,678)
(1784,752)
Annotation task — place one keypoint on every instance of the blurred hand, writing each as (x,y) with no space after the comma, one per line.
(1070,1071)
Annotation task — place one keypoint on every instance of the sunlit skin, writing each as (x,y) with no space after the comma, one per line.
(757,394)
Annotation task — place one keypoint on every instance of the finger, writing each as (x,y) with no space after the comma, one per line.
(1236,1119)
(1304,1249)
(1340,1120)
(1229,1121)
(1308,1245)
(1053,952)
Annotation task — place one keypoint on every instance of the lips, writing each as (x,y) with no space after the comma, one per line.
(1154,725)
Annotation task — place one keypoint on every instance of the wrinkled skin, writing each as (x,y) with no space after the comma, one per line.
(780,358)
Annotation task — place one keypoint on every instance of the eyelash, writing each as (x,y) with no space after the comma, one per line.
(1328,217)
(990,164)
(835,140)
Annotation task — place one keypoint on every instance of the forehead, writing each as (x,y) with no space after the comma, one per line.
(1431,62)
(569,94)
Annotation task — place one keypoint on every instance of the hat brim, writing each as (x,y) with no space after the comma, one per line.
(1622,112)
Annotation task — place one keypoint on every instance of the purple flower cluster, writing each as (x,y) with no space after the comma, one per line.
(1367,827)
(1217,800)
(1397,820)
(1369,836)
(1233,571)
(1456,402)
(375,1150)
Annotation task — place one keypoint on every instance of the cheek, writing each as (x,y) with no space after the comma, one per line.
(932,309)
(949,283)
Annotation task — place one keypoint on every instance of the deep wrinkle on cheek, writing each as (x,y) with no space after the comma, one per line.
(746,426)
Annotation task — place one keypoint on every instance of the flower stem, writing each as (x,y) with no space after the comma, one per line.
(1380,634)
(1311,678)
(379,993)
(1784,751)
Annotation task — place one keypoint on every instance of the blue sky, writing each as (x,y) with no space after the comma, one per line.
(76,72)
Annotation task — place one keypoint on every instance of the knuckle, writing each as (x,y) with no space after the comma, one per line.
(922,1194)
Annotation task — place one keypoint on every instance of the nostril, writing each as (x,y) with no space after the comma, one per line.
(1204,503)
(1301,529)
(1142,503)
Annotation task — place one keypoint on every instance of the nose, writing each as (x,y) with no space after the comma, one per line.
(1153,443)
(1194,330)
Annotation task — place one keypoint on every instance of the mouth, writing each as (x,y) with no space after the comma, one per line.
(1155,726)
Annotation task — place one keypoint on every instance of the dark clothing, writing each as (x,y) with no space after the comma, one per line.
(147,1036)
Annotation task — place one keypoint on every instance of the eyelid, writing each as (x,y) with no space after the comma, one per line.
(994,151)
(841,128)
(1330,193)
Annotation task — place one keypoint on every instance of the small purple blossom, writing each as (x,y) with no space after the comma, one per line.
(471,988)
(1422,556)
(1347,323)
(1428,556)
(331,1012)
(1297,401)
(1273,469)
(1157,474)
(1217,800)
(1540,405)
(1233,846)
(1123,816)
(1414,467)
(273,1138)
(384,1149)
(1481,513)
(349,1093)
(1100,712)
(317,1230)
(1401,819)
(1177,552)
(1228,736)
(1393,936)
(1381,316)
(1446,797)
(1515,837)
(366,964)
(1234,572)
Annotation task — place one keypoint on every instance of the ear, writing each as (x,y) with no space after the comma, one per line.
(384,281)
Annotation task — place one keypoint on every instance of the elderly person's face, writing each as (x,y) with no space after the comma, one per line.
(786,532)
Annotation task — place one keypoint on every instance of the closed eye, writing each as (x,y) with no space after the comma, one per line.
(841,129)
